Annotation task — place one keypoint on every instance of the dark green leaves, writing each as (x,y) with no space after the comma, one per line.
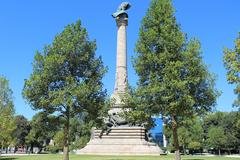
(172,76)
(66,74)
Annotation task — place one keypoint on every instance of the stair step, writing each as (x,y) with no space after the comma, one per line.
(121,137)
(120,131)
(121,134)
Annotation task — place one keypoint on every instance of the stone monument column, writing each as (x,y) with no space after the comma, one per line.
(120,87)
(120,138)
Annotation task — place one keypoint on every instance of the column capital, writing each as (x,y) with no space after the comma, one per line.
(122,19)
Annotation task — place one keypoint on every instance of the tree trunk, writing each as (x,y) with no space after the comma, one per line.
(184,150)
(66,152)
(40,150)
(1,149)
(66,136)
(175,139)
(219,152)
(31,148)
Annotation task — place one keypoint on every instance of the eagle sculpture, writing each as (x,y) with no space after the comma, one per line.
(122,9)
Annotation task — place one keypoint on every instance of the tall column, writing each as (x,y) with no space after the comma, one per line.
(121,59)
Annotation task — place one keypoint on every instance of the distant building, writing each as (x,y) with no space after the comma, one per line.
(157,132)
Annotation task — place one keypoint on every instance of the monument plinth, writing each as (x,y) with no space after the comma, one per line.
(120,138)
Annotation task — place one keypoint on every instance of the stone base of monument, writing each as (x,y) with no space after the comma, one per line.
(120,141)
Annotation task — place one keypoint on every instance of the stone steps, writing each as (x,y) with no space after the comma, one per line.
(121,131)
(120,141)
(120,134)
(126,137)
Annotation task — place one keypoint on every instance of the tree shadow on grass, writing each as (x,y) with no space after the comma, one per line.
(7,158)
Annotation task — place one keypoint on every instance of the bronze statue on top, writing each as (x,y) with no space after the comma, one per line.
(122,9)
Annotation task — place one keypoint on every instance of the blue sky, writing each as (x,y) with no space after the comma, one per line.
(26,26)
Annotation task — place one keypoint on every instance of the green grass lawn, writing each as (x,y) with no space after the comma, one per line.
(83,157)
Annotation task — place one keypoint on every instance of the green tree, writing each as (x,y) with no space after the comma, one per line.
(232,132)
(173,80)
(58,139)
(190,134)
(232,64)
(43,129)
(7,122)
(80,132)
(197,135)
(228,121)
(237,125)
(213,119)
(66,78)
(22,130)
(216,138)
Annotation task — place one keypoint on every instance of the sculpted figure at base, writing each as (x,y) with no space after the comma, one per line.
(115,117)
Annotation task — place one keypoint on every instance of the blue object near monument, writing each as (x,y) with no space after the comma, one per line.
(157,131)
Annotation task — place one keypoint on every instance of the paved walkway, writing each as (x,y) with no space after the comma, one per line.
(208,155)
(233,156)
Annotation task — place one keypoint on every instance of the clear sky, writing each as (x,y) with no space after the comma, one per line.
(26,26)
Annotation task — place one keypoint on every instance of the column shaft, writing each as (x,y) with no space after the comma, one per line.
(121,64)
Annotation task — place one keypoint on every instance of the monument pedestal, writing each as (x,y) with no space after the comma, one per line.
(120,141)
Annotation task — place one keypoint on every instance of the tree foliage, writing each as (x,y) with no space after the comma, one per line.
(173,80)
(229,131)
(216,132)
(58,139)
(66,78)
(80,132)
(7,122)
(190,135)
(216,138)
(232,64)
(22,130)
(43,129)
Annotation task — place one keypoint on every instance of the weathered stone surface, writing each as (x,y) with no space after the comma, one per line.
(132,143)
